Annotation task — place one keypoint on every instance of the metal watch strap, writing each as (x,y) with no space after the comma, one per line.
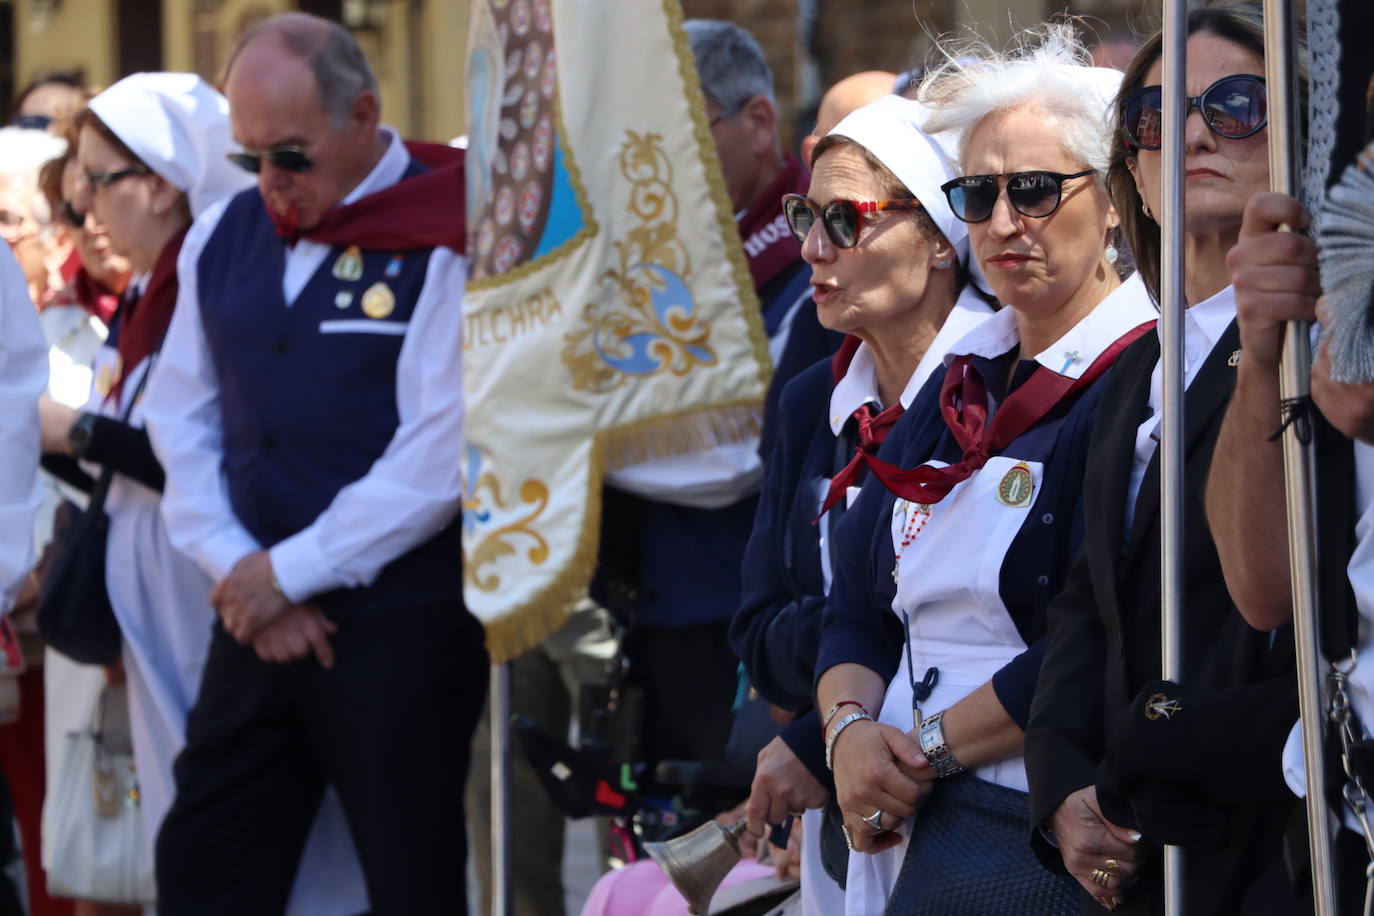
(935,748)
(839,727)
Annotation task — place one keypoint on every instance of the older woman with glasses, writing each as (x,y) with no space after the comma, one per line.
(889,267)
(152,155)
(1120,761)
(935,624)
(27,224)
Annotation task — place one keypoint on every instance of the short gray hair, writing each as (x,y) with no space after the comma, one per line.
(23,151)
(1046,68)
(340,67)
(730,63)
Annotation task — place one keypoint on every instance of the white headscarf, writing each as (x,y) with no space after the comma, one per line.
(890,129)
(179,126)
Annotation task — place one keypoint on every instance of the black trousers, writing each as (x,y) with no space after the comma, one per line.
(389,726)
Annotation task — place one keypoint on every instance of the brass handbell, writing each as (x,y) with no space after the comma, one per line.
(697,862)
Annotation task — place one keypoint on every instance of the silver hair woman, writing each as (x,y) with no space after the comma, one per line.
(977,521)
(25,219)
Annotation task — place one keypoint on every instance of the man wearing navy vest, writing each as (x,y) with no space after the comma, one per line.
(308,411)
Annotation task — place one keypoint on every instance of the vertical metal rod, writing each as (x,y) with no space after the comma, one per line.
(1281,77)
(1173,58)
(502,901)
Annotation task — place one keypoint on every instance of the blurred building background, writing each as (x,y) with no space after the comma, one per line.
(418,46)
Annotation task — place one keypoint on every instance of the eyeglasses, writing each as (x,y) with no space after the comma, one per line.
(99,181)
(72,216)
(1234,107)
(840,218)
(286,157)
(31,122)
(1035,194)
(10,225)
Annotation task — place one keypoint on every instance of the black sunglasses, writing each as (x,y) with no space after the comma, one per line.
(840,218)
(72,216)
(1234,107)
(1036,194)
(286,157)
(99,181)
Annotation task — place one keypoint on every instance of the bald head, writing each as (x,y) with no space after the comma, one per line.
(338,66)
(848,95)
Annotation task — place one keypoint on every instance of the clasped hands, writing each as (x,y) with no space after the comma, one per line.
(878,767)
(254,611)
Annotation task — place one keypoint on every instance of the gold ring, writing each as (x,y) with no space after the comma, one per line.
(1099,877)
(1112,867)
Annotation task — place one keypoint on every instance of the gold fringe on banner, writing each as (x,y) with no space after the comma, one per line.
(527,625)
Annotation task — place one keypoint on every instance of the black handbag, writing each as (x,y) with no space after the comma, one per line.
(74,612)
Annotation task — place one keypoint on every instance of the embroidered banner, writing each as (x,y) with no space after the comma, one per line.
(609,316)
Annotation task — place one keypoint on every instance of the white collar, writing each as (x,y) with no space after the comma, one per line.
(859,385)
(387,172)
(1126,307)
(1212,316)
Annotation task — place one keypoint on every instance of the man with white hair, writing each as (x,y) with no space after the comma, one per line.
(309,416)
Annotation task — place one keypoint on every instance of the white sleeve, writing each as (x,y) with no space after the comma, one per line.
(182,413)
(712,479)
(23,376)
(414,489)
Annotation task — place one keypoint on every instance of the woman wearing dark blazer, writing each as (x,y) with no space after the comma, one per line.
(900,321)
(1119,761)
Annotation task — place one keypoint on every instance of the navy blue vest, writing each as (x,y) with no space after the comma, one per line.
(308,392)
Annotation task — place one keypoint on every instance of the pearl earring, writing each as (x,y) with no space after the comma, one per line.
(1111,254)
(942,264)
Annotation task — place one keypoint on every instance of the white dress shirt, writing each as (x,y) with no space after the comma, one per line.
(408,495)
(1203,325)
(23,376)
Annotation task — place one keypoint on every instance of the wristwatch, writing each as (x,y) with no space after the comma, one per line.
(79,436)
(936,750)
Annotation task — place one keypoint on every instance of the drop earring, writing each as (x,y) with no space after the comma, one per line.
(1145,208)
(1111,254)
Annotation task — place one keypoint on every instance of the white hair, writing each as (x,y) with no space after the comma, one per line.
(23,151)
(1046,68)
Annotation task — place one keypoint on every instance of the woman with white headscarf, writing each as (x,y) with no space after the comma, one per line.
(152,150)
(890,268)
(935,623)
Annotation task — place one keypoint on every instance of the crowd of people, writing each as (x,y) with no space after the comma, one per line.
(912,629)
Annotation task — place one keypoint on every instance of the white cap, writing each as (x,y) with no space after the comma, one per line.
(179,126)
(890,129)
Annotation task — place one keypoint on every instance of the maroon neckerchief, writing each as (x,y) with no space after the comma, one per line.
(872,429)
(768,242)
(94,296)
(963,403)
(423,211)
(143,323)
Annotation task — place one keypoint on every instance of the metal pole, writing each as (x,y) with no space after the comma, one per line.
(501,900)
(1281,76)
(1173,58)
